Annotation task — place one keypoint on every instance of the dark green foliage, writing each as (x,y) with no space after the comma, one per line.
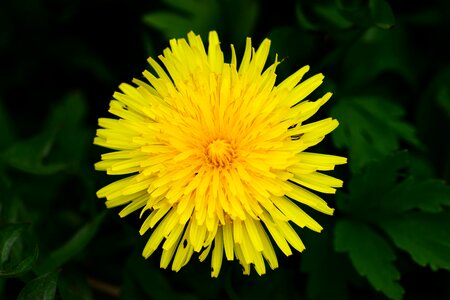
(18,252)
(323,264)
(425,236)
(72,247)
(381,14)
(379,131)
(150,280)
(371,255)
(388,196)
(388,66)
(42,287)
(72,285)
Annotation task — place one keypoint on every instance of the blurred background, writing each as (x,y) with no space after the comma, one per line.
(388,65)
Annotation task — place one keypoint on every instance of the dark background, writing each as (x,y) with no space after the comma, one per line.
(388,65)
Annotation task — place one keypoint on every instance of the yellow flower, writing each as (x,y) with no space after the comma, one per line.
(217,155)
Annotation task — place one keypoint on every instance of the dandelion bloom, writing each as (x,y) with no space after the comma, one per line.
(216,154)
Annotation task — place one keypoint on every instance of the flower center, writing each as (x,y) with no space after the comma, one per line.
(220,153)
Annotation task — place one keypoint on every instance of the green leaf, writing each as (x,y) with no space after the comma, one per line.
(302,18)
(371,256)
(170,24)
(430,195)
(382,14)
(11,205)
(62,143)
(321,16)
(388,194)
(199,16)
(391,186)
(378,178)
(30,155)
(355,11)
(423,235)
(42,288)
(330,14)
(73,139)
(375,53)
(18,251)
(72,247)
(236,18)
(370,127)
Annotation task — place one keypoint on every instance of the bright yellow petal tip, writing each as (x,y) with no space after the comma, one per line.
(217,155)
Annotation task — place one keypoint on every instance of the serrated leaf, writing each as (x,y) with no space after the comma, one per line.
(378,177)
(425,236)
(72,247)
(391,186)
(371,256)
(18,252)
(430,196)
(382,14)
(42,288)
(387,193)
(370,127)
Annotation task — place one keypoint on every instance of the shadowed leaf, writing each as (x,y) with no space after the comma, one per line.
(42,288)
(18,252)
(371,256)
(382,14)
(425,236)
(379,132)
(72,247)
